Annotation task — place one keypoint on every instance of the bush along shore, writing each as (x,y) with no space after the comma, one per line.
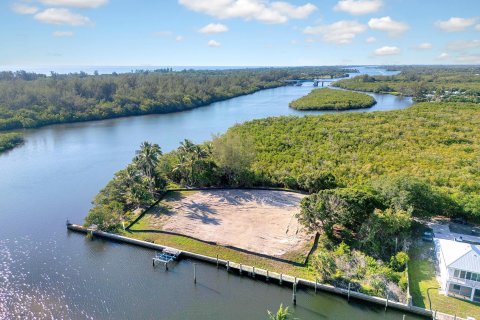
(10,140)
(332,99)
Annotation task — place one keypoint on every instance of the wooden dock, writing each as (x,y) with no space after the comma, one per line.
(258,273)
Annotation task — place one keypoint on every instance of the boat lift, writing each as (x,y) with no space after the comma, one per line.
(166,256)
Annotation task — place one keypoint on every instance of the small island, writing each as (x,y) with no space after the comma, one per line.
(333,99)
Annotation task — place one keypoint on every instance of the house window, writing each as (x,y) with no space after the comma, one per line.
(456,273)
(469,276)
(456,287)
(462,274)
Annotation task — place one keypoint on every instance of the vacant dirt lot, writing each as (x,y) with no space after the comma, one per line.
(256,220)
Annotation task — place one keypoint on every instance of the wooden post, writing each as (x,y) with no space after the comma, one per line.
(349,291)
(194,273)
(316,280)
(166,266)
(386,302)
(280,278)
(253,272)
(294,296)
(228,265)
(240,269)
(153,262)
(403,317)
(267,275)
(217,261)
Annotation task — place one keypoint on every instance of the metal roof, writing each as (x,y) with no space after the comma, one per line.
(460,255)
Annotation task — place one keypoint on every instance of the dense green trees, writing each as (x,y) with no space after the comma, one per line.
(430,83)
(29,100)
(346,208)
(10,141)
(332,99)
(435,144)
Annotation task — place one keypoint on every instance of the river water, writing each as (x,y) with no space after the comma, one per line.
(48,272)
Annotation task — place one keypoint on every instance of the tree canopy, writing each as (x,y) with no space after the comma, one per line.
(332,99)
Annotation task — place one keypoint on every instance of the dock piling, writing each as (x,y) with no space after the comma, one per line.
(240,269)
(294,296)
(217,261)
(316,281)
(349,291)
(195,273)
(166,266)
(228,265)
(281,278)
(267,276)
(386,303)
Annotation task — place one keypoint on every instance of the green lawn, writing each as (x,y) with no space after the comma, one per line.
(422,276)
(188,244)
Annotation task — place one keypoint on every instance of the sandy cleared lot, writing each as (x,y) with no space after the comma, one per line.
(256,220)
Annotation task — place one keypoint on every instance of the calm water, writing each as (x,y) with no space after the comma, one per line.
(47,272)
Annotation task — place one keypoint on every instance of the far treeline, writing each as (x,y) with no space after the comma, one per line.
(332,99)
(29,100)
(368,175)
(428,83)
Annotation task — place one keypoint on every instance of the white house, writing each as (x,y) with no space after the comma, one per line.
(459,268)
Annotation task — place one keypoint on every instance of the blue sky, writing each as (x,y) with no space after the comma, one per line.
(238,32)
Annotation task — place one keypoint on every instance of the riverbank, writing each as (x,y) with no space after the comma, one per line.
(259,272)
(10,140)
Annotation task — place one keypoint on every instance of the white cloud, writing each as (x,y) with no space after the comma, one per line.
(424,46)
(63,34)
(213,28)
(21,8)
(443,56)
(371,40)
(455,24)
(358,7)
(62,16)
(261,10)
(463,44)
(75,3)
(387,51)
(213,44)
(341,32)
(477,27)
(179,38)
(300,12)
(387,24)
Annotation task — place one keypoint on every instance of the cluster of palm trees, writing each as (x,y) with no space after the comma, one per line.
(191,158)
(136,186)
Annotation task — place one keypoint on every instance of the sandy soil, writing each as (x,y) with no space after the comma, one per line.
(257,220)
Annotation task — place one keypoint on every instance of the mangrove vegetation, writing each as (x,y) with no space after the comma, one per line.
(332,99)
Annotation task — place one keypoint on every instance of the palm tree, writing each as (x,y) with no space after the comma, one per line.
(147,158)
(282,314)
